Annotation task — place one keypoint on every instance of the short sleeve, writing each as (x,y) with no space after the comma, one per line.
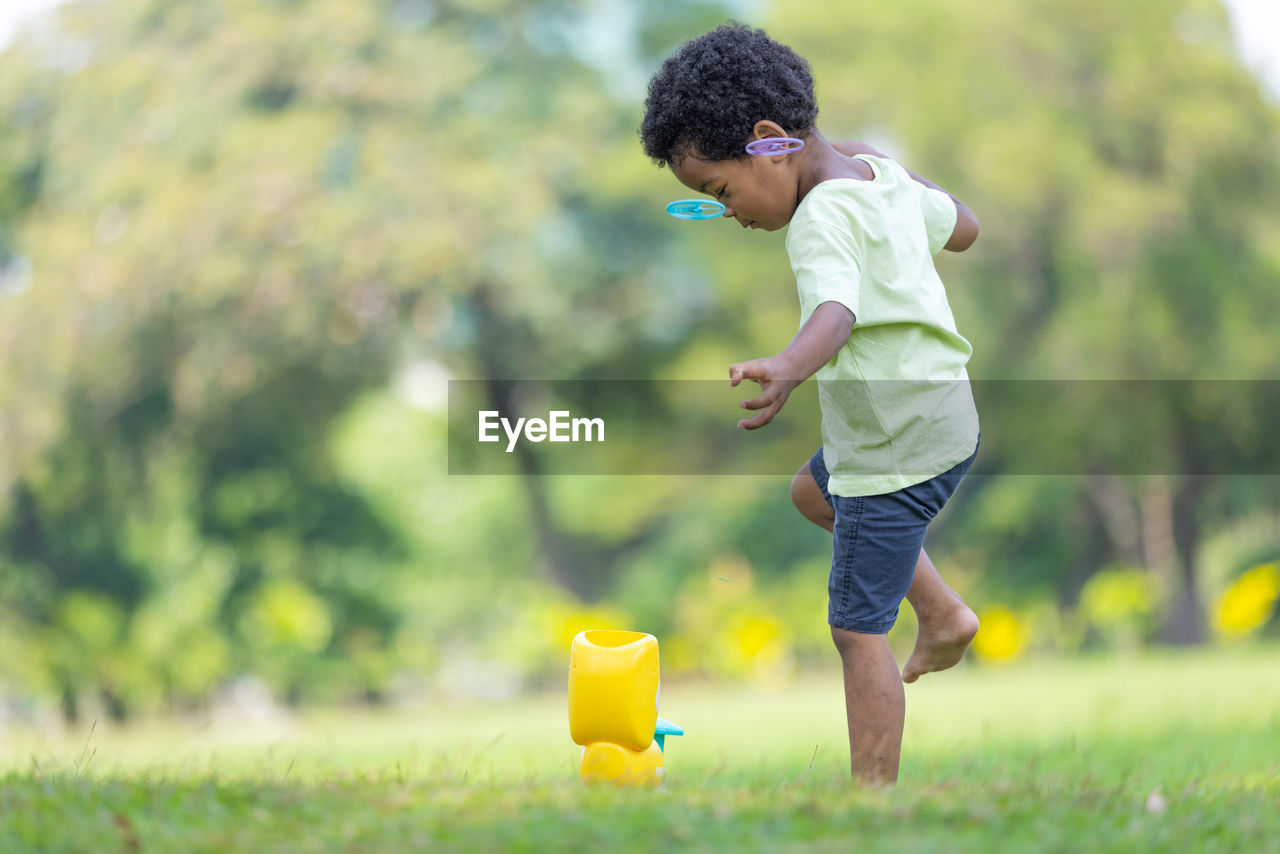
(939,218)
(827,263)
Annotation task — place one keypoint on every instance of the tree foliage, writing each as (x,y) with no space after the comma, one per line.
(243,244)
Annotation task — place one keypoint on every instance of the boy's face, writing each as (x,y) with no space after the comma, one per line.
(759,192)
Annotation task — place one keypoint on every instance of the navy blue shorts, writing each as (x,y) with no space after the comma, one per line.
(876,544)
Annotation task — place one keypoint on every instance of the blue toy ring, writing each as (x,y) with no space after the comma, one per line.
(695,209)
(774,145)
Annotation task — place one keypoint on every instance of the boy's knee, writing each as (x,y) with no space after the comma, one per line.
(840,637)
(850,643)
(808,498)
(798,488)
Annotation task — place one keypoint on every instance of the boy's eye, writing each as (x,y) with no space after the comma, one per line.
(720,192)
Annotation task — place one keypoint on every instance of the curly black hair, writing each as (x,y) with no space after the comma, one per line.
(710,93)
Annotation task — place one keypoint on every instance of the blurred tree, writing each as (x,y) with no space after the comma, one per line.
(233,218)
(205,297)
(226,225)
(554,272)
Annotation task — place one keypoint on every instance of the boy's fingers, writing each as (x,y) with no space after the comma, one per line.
(759,419)
(758,402)
(744,371)
(772,408)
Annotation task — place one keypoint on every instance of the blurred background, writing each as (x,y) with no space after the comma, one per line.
(245,244)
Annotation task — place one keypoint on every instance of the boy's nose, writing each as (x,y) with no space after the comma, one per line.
(728,212)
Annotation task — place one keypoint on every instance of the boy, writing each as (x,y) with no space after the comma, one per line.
(898,423)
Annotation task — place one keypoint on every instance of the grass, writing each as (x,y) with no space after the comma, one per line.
(1163,752)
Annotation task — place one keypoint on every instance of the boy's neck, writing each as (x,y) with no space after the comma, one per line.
(819,161)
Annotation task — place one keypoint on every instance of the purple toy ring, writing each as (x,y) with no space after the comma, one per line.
(775,145)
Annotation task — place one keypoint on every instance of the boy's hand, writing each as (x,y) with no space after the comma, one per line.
(776,384)
(816,344)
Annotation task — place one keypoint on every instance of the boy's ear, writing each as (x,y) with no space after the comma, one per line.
(764,129)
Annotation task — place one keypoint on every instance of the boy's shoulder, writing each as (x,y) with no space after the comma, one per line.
(841,202)
(834,203)
(888,177)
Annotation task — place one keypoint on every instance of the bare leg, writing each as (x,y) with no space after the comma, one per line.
(874,703)
(947,625)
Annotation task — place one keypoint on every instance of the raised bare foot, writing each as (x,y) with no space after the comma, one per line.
(941,641)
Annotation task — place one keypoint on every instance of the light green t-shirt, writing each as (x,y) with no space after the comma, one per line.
(896,404)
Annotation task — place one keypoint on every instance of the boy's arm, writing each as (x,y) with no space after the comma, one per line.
(966,230)
(817,342)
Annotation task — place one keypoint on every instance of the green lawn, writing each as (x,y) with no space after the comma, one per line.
(1169,752)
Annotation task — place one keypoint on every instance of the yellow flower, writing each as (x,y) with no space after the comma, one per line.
(1002,635)
(753,636)
(1247,604)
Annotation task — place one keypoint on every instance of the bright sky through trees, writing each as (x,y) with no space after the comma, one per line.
(1256,24)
